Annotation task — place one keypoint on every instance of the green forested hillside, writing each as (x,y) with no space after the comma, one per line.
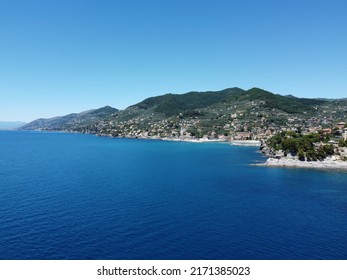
(172,104)
(213,114)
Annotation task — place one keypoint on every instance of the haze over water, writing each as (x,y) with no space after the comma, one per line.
(71,196)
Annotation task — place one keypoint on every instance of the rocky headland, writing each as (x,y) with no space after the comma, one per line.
(290,149)
(328,163)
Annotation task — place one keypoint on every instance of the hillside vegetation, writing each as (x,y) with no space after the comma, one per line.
(310,147)
(231,113)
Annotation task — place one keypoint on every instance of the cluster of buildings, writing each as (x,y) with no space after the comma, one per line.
(249,121)
(343,130)
(223,129)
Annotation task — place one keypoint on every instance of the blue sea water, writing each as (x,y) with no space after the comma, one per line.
(71,196)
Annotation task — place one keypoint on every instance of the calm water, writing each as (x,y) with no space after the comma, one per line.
(69,196)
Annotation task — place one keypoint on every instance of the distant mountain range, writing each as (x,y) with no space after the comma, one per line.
(203,114)
(72,120)
(10,125)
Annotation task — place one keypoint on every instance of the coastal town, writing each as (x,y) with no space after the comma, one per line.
(254,117)
(186,130)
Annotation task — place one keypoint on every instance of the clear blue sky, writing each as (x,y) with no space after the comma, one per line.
(62,56)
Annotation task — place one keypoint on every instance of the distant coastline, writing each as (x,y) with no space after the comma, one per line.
(255,143)
(11,125)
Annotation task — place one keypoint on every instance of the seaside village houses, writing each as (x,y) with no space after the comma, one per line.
(339,130)
(343,130)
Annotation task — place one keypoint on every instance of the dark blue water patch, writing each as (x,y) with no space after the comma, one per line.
(71,196)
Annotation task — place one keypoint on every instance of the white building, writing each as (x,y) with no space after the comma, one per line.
(344,134)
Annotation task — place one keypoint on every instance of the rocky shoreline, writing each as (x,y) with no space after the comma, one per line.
(328,163)
(316,155)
